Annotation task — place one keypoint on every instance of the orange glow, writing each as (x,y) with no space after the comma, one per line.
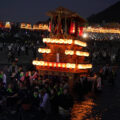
(26,26)
(77,42)
(7,25)
(29,26)
(50,64)
(43,50)
(82,110)
(78,53)
(23,26)
(40,27)
(84,66)
(69,52)
(43,27)
(69,65)
(64,41)
(101,30)
(57,41)
(35,27)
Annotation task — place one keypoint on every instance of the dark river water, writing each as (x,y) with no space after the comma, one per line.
(83,110)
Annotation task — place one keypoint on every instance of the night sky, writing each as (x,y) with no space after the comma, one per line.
(35,10)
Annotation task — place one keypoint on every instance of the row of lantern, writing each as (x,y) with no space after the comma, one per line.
(65,41)
(78,53)
(26,26)
(44,50)
(59,41)
(6,25)
(101,30)
(35,27)
(41,27)
(62,65)
(67,52)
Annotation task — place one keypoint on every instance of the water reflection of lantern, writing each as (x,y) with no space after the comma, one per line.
(72,28)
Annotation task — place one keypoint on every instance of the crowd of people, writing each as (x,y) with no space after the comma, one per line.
(96,80)
(24,90)
(104,52)
(28,91)
(17,43)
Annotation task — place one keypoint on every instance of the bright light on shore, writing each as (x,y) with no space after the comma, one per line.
(85,35)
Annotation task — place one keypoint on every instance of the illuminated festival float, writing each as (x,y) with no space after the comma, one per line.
(65,51)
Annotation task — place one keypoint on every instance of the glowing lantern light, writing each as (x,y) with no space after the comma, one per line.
(63,65)
(54,64)
(7,25)
(70,42)
(35,27)
(49,27)
(73,65)
(80,31)
(57,41)
(41,50)
(69,52)
(23,26)
(77,42)
(101,30)
(29,26)
(42,63)
(50,64)
(43,27)
(72,28)
(85,35)
(59,64)
(86,66)
(69,65)
(46,64)
(34,62)
(79,53)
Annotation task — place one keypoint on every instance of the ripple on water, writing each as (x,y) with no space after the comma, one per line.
(83,110)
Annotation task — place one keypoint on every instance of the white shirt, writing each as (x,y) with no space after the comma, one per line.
(4,78)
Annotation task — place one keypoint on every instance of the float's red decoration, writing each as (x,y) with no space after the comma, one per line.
(72,28)
(80,31)
(50,26)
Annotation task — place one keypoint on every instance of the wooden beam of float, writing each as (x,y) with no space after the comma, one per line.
(62,65)
(64,41)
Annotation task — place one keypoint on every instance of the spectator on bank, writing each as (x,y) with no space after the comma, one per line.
(45,104)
